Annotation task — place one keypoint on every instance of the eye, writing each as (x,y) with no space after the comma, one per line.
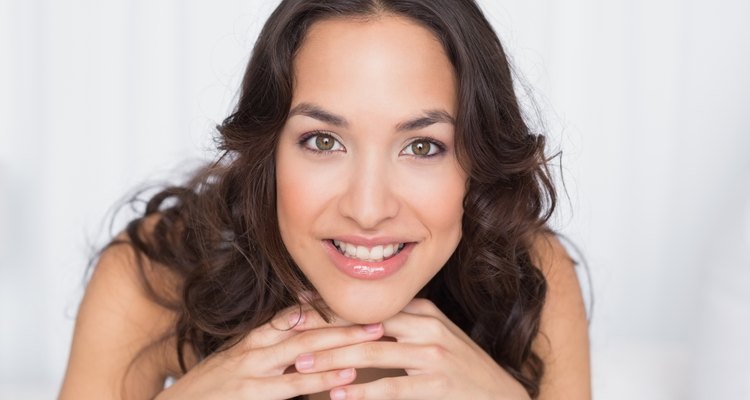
(320,142)
(424,148)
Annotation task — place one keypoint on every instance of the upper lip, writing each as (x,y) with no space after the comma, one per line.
(371,242)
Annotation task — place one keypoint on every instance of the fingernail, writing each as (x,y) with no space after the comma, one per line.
(304,361)
(296,318)
(372,328)
(346,373)
(338,394)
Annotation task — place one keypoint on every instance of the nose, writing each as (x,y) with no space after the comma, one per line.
(368,198)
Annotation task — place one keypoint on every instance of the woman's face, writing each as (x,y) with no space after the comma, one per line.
(369,188)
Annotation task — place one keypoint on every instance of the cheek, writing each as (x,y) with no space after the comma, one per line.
(437,197)
(290,187)
(302,193)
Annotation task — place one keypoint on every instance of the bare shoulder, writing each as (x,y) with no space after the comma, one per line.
(118,331)
(563,342)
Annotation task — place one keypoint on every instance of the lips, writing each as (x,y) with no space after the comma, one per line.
(368,269)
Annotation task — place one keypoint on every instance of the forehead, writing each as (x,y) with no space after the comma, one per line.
(379,64)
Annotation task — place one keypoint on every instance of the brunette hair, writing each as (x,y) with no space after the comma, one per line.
(218,232)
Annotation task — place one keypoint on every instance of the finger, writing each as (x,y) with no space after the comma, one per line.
(276,330)
(422,322)
(286,324)
(296,384)
(380,354)
(402,387)
(311,319)
(287,353)
(421,329)
(421,306)
(427,308)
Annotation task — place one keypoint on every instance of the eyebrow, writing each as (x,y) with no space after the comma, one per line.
(429,117)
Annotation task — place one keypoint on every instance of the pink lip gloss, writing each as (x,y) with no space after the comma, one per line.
(366,270)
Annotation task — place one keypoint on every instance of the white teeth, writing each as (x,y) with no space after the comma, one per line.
(351,251)
(363,253)
(388,251)
(375,254)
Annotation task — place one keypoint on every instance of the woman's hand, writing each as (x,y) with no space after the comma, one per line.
(258,366)
(441,361)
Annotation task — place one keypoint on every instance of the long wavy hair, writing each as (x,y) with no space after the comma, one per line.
(218,232)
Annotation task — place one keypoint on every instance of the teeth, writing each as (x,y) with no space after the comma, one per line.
(351,251)
(375,254)
(388,251)
(363,253)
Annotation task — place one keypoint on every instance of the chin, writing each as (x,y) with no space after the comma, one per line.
(364,312)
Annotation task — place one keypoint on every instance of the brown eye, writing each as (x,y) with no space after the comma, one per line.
(424,148)
(324,142)
(321,143)
(421,148)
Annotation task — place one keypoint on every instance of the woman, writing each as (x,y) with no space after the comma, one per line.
(374,228)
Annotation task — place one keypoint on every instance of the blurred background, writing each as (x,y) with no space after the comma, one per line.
(648,100)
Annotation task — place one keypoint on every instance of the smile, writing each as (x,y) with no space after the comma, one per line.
(368,263)
(370,254)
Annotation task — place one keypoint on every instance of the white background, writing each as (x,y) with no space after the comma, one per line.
(649,101)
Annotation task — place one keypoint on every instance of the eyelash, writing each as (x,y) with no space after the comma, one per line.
(441,147)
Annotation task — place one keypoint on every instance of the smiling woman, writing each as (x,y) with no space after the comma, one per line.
(378,172)
(374,228)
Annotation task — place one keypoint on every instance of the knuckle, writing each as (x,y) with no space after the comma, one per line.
(247,359)
(325,359)
(435,353)
(298,382)
(251,341)
(434,327)
(327,379)
(306,339)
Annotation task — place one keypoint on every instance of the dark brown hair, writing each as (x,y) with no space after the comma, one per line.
(218,232)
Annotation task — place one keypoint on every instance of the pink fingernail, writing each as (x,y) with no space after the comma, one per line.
(296,319)
(304,361)
(338,394)
(346,373)
(372,328)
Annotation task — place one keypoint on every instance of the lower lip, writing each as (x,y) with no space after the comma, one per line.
(365,270)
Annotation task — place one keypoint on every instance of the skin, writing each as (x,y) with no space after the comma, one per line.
(371,183)
(369,189)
